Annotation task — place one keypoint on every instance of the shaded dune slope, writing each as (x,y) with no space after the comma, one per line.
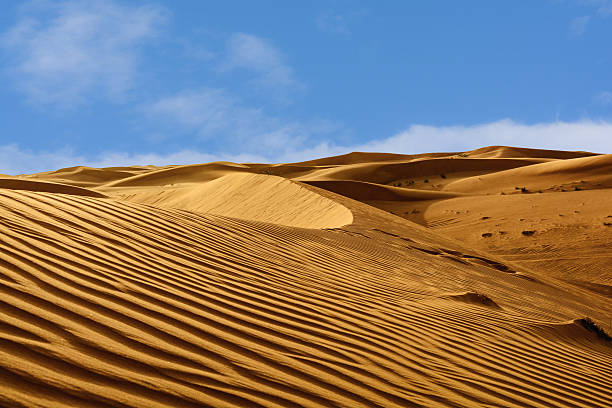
(596,170)
(29,185)
(365,157)
(115,304)
(383,173)
(363,191)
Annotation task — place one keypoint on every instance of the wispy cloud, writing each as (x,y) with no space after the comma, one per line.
(262,58)
(604,98)
(603,7)
(338,23)
(220,119)
(578,25)
(67,52)
(181,157)
(205,112)
(583,135)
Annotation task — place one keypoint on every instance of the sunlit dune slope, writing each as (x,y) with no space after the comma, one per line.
(231,285)
(569,234)
(252,196)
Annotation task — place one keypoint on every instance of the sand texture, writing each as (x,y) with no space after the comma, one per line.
(363,280)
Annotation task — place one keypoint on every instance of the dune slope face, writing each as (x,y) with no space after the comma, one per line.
(251,196)
(111,303)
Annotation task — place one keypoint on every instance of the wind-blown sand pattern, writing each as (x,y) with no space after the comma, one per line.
(341,282)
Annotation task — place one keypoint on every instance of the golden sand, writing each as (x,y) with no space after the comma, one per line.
(362,280)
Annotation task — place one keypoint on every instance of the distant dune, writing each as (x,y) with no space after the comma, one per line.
(43,186)
(460,279)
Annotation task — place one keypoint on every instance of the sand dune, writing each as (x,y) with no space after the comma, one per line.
(435,168)
(172,175)
(365,157)
(29,185)
(509,151)
(364,191)
(252,196)
(218,286)
(581,173)
(88,176)
(570,237)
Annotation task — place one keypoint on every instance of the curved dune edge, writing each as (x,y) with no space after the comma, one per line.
(363,191)
(254,197)
(47,187)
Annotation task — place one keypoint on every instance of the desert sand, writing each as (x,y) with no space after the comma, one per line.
(459,279)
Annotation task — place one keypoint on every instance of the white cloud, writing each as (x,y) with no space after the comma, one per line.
(69,51)
(578,25)
(14,160)
(249,52)
(583,135)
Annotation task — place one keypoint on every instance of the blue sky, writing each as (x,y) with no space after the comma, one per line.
(106,83)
